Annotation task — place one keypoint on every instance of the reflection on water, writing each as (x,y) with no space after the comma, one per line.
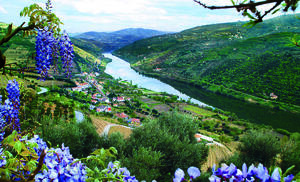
(119,68)
(248,111)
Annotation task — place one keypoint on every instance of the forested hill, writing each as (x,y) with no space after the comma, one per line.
(258,60)
(109,41)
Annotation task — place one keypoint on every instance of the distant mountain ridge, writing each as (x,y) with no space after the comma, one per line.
(109,41)
(257,61)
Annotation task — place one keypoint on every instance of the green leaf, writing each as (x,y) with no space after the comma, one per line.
(289,170)
(245,13)
(8,154)
(18,146)
(31,165)
(10,139)
(233,2)
(113,150)
(275,11)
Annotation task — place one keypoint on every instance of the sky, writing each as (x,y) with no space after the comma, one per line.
(111,15)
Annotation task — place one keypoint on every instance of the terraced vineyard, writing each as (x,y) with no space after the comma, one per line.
(100,124)
(123,130)
(218,153)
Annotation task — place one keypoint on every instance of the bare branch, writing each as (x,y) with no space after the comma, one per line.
(239,5)
(269,11)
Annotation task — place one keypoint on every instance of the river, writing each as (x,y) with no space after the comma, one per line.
(119,68)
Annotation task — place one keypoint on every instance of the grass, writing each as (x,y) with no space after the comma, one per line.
(217,153)
(124,131)
(87,56)
(201,111)
(5,78)
(49,83)
(99,123)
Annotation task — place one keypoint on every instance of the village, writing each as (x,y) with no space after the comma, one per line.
(130,106)
(120,99)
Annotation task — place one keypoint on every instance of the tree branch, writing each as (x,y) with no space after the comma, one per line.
(239,5)
(6,38)
(39,167)
(267,12)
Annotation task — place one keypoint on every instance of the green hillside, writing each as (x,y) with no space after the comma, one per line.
(257,61)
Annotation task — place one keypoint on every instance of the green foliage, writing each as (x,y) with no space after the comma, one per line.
(16,150)
(100,158)
(290,154)
(258,146)
(184,126)
(144,163)
(87,46)
(256,61)
(177,148)
(39,18)
(81,138)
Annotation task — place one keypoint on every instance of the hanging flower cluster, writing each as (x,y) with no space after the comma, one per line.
(2,121)
(47,50)
(60,163)
(66,53)
(9,112)
(44,54)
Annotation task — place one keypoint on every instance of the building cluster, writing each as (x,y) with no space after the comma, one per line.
(100,101)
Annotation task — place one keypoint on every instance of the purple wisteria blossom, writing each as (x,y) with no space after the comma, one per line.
(66,53)
(193,172)
(116,170)
(60,163)
(259,173)
(9,111)
(44,52)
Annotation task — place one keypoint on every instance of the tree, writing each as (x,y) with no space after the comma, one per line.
(249,8)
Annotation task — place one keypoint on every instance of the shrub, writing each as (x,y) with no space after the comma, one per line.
(81,138)
(144,163)
(259,146)
(178,147)
(290,155)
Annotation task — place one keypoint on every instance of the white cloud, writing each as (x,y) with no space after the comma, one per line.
(113,6)
(2,10)
(168,15)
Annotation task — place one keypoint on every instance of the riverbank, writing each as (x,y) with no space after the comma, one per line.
(221,90)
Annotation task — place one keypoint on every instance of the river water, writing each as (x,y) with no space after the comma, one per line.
(119,68)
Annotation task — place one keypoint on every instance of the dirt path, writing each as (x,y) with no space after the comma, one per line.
(99,124)
(106,128)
